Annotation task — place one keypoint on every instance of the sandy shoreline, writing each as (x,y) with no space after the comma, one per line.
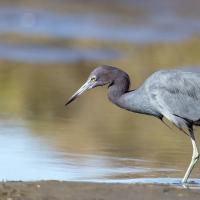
(91,191)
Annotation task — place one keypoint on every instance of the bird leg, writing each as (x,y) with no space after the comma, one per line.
(195,156)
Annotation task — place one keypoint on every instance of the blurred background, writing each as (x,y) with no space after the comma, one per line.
(47,50)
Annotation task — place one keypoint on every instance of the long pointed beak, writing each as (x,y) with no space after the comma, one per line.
(86,86)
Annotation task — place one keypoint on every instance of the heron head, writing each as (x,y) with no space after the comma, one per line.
(98,77)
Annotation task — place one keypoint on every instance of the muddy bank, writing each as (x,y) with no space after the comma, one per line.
(86,191)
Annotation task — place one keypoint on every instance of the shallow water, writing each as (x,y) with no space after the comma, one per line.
(40,139)
(91,139)
(27,154)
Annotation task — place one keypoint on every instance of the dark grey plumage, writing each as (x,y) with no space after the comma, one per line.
(173,94)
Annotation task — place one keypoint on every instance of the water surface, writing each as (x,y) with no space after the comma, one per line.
(91,139)
(155,27)
(51,54)
(55,154)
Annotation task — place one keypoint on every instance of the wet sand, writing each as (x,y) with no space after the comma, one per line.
(91,191)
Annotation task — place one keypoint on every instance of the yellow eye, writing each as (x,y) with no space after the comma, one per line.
(93,78)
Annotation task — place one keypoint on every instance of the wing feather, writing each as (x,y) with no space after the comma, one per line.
(175,93)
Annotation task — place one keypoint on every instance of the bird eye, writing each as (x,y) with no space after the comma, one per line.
(93,78)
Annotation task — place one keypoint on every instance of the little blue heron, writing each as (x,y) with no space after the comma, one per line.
(173,94)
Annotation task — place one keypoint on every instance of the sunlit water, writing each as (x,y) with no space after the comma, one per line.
(27,156)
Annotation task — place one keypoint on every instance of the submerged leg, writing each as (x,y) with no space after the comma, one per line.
(195,156)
